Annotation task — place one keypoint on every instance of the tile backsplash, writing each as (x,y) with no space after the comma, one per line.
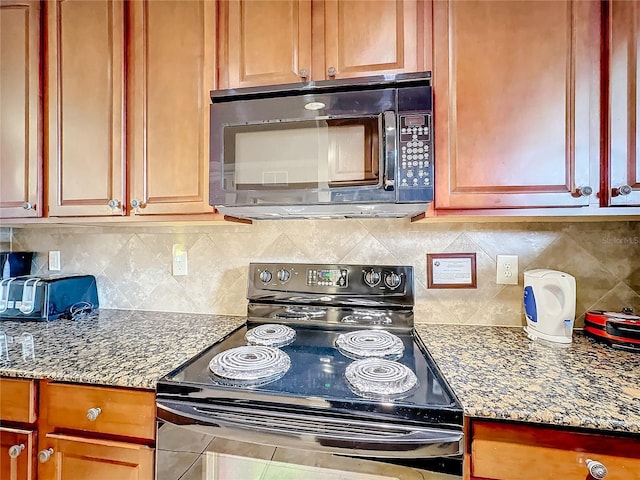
(133,263)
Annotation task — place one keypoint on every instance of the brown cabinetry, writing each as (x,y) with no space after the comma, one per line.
(18,438)
(517,103)
(20,110)
(95,432)
(622,184)
(85,105)
(299,40)
(508,451)
(156,160)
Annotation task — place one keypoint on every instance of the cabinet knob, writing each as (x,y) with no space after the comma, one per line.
(16,450)
(332,71)
(584,191)
(93,413)
(136,204)
(113,204)
(304,73)
(596,469)
(45,455)
(27,206)
(621,191)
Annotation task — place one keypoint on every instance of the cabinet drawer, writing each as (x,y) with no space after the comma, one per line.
(117,411)
(509,451)
(17,400)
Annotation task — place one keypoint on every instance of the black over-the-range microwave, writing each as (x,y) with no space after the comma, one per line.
(332,149)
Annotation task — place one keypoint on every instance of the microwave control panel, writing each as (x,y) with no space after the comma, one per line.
(415,162)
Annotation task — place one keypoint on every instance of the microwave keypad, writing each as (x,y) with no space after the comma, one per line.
(415,151)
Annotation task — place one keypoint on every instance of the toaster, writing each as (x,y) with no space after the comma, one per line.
(43,298)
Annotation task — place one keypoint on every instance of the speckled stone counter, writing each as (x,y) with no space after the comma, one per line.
(115,347)
(497,372)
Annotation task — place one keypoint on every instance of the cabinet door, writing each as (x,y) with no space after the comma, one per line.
(17,448)
(624,98)
(77,458)
(516,103)
(171,73)
(264,43)
(372,38)
(20,113)
(85,102)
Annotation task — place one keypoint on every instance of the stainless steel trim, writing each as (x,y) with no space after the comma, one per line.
(318,433)
(390,150)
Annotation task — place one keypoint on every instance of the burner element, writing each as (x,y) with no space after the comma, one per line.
(250,364)
(377,377)
(271,335)
(370,343)
(371,317)
(301,312)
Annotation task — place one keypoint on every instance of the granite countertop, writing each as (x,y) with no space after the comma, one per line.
(113,347)
(497,372)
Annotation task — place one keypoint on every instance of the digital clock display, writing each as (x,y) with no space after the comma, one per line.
(327,278)
(417,121)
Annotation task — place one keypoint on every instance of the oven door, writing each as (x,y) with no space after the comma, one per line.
(193,452)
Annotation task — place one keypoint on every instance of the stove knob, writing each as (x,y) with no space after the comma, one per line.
(284,275)
(265,276)
(372,278)
(392,280)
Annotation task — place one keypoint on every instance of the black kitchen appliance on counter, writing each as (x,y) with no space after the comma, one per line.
(47,297)
(15,264)
(327,368)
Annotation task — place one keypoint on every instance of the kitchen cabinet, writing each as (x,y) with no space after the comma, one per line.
(85,105)
(506,451)
(20,110)
(154,158)
(168,104)
(17,454)
(95,432)
(18,436)
(621,187)
(517,104)
(300,40)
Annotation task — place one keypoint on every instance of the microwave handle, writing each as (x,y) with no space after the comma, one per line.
(389,155)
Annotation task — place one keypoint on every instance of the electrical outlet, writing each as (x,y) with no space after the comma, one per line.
(180,266)
(54,260)
(507,269)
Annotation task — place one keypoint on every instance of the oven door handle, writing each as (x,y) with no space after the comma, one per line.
(317,432)
(390,149)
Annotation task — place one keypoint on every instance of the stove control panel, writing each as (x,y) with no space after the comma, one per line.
(330,277)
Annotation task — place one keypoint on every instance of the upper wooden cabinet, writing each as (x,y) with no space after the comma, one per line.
(171,73)
(20,110)
(516,88)
(85,104)
(155,161)
(299,40)
(622,187)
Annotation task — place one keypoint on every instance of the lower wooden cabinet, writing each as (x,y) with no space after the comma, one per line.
(17,454)
(77,458)
(511,451)
(95,432)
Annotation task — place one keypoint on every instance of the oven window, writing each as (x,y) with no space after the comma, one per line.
(301,155)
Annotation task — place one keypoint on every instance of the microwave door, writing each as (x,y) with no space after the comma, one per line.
(314,158)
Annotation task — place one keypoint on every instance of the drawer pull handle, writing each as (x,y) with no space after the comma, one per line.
(16,450)
(45,455)
(92,414)
(596,469)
